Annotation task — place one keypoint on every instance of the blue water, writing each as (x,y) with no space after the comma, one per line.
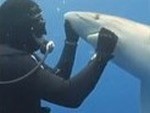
(117,91)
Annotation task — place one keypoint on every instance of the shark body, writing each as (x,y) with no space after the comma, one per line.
(132,52)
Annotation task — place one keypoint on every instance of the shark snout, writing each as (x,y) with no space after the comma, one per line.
(85,23)
(83,15)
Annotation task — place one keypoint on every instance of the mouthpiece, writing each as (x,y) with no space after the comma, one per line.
(50,46)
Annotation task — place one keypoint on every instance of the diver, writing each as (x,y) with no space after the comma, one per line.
(22,28)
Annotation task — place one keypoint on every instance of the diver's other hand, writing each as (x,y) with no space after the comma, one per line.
(71,35)
(106,43)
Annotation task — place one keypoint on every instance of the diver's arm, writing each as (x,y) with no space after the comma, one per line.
(64,66)
(66,61)
(71,93)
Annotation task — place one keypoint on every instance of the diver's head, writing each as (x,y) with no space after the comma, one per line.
(20,23)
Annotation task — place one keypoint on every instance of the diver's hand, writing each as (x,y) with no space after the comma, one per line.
(106,43)
(71,35)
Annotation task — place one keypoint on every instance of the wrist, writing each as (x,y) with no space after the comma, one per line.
(101,58)
(75,40)
(71,43)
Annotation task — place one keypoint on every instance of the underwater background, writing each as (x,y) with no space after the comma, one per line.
(117,91)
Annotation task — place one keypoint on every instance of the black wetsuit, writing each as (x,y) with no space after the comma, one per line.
(52,85)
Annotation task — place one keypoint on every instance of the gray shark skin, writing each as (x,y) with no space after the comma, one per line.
(132,52)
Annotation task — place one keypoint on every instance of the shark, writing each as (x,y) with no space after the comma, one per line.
(132,52)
